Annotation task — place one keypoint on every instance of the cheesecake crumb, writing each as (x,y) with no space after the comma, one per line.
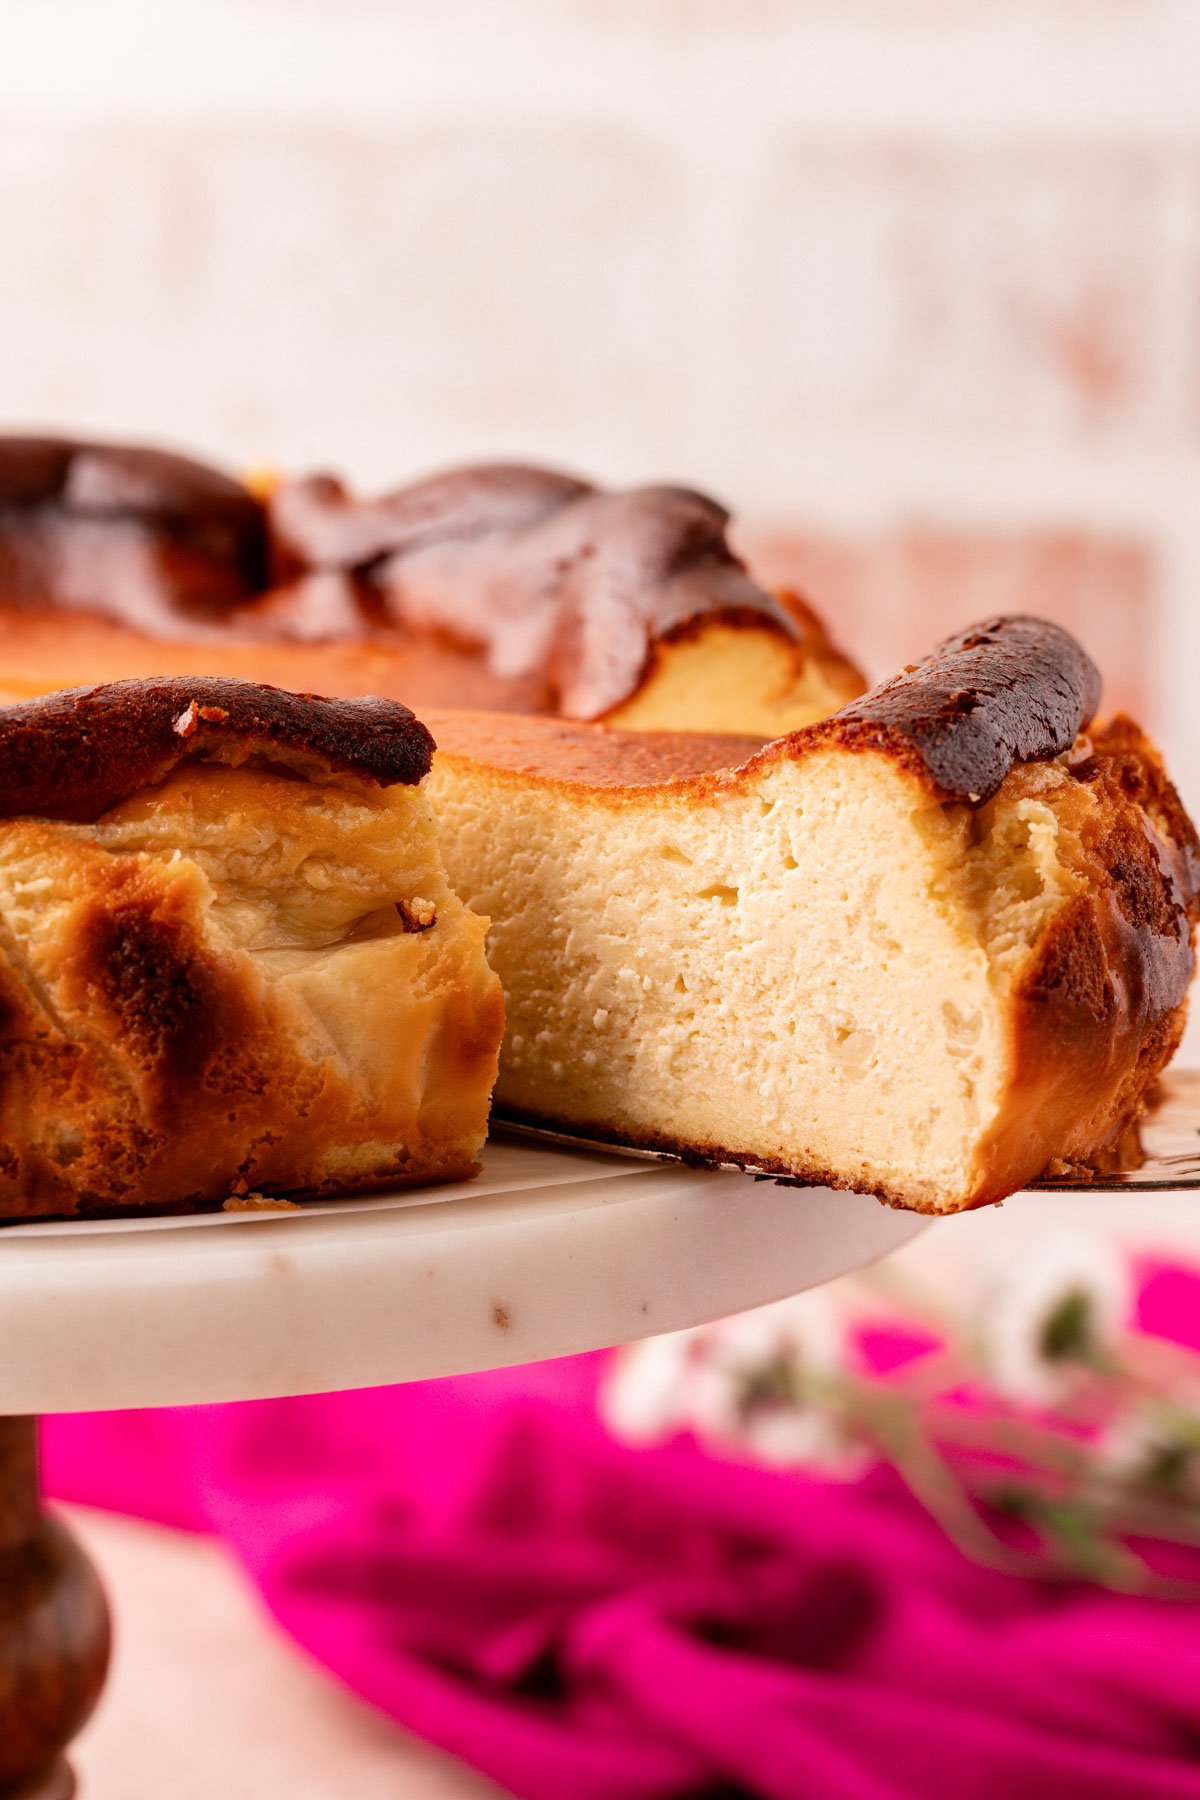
(417,914)
(253,1201)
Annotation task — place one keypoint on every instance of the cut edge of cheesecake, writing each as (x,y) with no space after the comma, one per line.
(924,949)
(739,673)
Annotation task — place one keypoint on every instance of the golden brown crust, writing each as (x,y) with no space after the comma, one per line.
(1102,1004)
(576,754)
(37,654)
(1124,755)
(529,589)
(75,754)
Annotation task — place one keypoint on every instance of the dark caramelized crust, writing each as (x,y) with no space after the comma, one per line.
(123,481)
(1007,691)
(515,588)
(1121,754)
(76,754)
(543,572)
(138,534)
(316,524)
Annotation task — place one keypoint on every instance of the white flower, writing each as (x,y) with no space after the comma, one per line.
(756,1381)
(806,1438)
(643,1398)
(806,1328)
(762,1382)
(1051,1315)
(1155,1447)
(762,1410)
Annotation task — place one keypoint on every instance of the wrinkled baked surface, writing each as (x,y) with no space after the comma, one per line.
(591,591)
(1009,690)
(140,534)
(923,950)
(243,969)
(504,587)
(72,755)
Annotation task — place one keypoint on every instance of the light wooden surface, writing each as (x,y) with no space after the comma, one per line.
(207,1698)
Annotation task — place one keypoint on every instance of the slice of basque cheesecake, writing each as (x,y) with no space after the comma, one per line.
(923,949)
(230,959)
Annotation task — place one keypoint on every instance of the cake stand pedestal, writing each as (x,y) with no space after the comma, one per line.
(54,1632)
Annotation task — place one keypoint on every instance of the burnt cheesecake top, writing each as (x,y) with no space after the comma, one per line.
(77,753)
(141,535)
(539,569)
(1006,691)
(549,580)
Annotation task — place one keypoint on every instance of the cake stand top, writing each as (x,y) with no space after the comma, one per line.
(549,1252)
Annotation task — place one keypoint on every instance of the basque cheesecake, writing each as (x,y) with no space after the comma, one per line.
(926,948)
(506,588)
(928,942)
(230,959)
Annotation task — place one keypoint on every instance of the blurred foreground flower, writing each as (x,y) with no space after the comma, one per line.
(1155,1449)
(1049,1322)
(760,1380)
(646,1398)
(1043,1433)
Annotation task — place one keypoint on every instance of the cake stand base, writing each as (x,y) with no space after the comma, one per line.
(54,1630)
(57,1784)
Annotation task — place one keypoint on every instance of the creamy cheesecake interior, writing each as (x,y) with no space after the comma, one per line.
(739,679)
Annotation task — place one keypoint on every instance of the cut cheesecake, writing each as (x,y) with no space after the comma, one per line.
(924,949)
(506,588)
(229,956)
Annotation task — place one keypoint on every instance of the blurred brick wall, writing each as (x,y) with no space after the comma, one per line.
(913,284)
(895,592)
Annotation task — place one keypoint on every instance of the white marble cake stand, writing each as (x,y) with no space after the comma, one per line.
(551,1251)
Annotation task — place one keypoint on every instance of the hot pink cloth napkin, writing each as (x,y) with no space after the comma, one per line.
(587,1622)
